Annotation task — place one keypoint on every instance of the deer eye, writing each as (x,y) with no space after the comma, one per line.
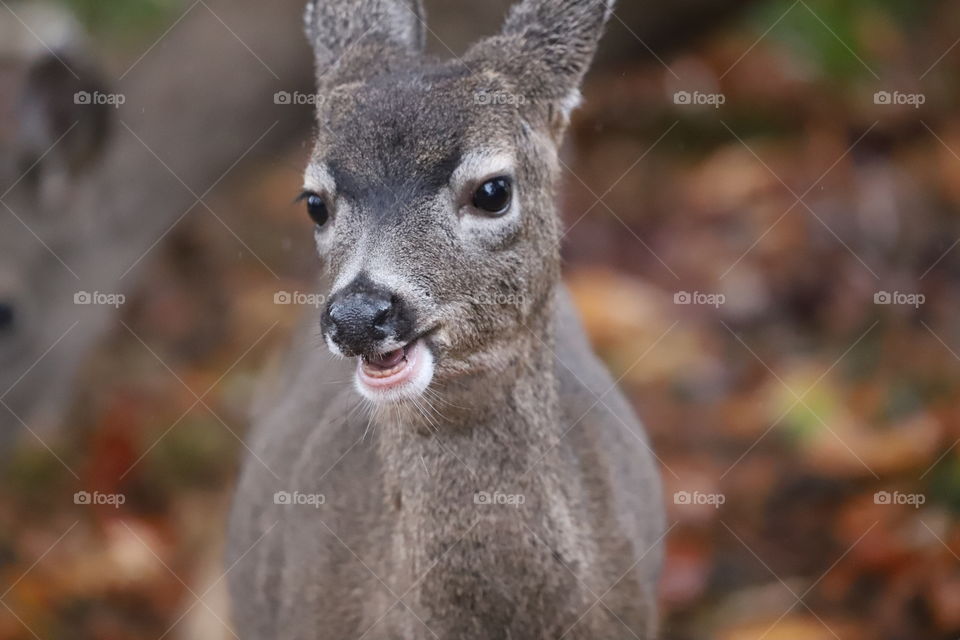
(316,208)
(494,195)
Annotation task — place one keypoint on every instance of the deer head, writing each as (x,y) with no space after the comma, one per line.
(431,185)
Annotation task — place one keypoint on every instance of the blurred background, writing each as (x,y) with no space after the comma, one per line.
(761,201)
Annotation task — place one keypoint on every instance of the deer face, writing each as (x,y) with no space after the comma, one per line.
(49,142)
(432,211)
(431,188)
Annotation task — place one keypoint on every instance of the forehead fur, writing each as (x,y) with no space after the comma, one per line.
(409,130)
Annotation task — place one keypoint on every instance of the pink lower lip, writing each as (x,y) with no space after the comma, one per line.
(404,374)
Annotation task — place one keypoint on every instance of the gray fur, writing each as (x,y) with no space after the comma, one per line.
(348,35)
(529,49)
(38,228)
(518,403)
(89,214)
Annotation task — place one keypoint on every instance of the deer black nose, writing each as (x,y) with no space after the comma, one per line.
(362,315)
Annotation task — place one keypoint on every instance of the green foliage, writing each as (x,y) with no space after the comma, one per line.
(945,483)
(124,19)
(827,33)
(805,420)
(196,454)
(32,471)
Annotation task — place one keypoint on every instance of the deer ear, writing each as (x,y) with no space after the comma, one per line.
(57,114)
(353,39)
(546,47)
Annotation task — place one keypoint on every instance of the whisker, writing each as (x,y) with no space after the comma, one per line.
(423,413)
(356,406)
(439,398)
(434,410)
(370,408)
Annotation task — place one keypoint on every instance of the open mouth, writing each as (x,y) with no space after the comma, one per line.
(403,372)
(387,367)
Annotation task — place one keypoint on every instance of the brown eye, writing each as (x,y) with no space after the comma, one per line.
(494,195)
(316,208)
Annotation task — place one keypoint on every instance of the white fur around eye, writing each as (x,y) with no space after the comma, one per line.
(323,236)
(476,167)
(479,165)
(317,179)
(493,230)
(322,241)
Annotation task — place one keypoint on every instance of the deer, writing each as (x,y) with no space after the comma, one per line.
(90,192)
(441,454)
(50,146)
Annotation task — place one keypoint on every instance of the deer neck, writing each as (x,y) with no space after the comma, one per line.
(489,427)
(497,476)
